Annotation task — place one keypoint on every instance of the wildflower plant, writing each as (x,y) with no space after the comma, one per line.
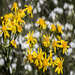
(51,46)
(12,25)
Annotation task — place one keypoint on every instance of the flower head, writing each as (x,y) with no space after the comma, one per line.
(45,63)
(59,27)
(28,8)
(46,40)
(59,65)
(41,23)
(64,45)
(53,28)
(30,39)
(15,6)
(13,43)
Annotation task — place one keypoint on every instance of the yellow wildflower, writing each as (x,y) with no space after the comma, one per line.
(6,18)
(20,20)
(13,29)
(30,56)
(28,8)
(34,54)
(15,6)
(41,23)
(10,15)
(21,13)
(59,65)
(39,57)
(55,44)
(19,28)
(4,28)
(53,28)
(46,40)
(45,63)
(30,39)
(13,42)
(64,46)
(59,27)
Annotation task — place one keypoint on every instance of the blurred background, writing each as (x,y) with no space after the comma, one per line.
(56,11)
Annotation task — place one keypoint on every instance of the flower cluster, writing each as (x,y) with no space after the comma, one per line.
(12,23)
(51,47)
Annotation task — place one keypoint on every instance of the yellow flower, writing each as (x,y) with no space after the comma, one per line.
(29,10)
(59,27)
(19,29)
(46,40)
(13,43)
(45,63)
(34,54)
(41,23)
(15,6)
(39,57)
(4,28)
(40,54)
(55,44)
(13,29)
(30,56)
(59,65)
(10,15)
(53,28)
(21,21)
(30,39)
(21,13)
(6,17)
(64,46)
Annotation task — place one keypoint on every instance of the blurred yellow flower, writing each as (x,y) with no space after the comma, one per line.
(59,27)
(19,28)
(64,45)
(55,44)
(45,63)
(21,13)
(39,57)
(13,43)
(53,28)
(4,28)
(30,39)
(46,40)
(41,23)
(59,65)
(28,8)
(14,7)
(30,56)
